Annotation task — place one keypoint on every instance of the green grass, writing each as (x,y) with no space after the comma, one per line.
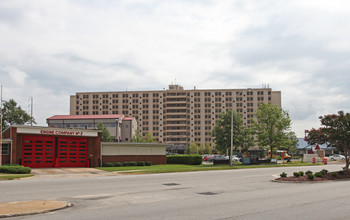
(170,168)
(14,176)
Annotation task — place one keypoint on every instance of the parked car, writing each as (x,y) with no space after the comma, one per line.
(234,158)
(337,157)
(216,157)
(206,157)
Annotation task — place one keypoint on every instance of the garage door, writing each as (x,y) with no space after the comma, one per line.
(38,151)
(72,152)
(42,151)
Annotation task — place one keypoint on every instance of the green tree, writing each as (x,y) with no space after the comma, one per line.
(207,149)
(105,135)
(14,115)
(137,138)
(334,131)
(222,131)
(247,139)
(290,143)
(189,149)
(272,126)
(201,148)
(149,138)
(193,148)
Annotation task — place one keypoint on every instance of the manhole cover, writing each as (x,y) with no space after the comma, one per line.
(170,184)
(208,193)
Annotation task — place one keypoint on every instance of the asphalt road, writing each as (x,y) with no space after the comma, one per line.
(229,194)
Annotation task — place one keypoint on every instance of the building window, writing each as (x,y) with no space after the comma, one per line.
(5,149)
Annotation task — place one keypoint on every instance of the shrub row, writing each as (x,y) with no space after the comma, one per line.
(309,174)
(184,159)
(14,169)
(126,164)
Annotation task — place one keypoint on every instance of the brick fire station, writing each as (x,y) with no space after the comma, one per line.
(38,147)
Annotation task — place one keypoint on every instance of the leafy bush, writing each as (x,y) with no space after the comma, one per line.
(319,174)
(117,164)
(14,169)
(296,174)
(324,171)
(308,172)
(107,164)
(341,172)
(301,173)
(284,174)
(132,163)
(140,163)
(184,159)
(334,174)
(125,164)
(148,163)
(310,176)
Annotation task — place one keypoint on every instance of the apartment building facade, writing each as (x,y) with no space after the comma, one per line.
(175,115)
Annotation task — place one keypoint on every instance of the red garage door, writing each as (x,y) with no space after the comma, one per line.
(45,151)
(38,151)
(72,152)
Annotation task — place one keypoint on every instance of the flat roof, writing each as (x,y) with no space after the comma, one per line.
(83,117)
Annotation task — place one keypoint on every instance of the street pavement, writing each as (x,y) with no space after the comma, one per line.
(228,194)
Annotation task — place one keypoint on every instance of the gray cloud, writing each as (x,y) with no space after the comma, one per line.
(62,47)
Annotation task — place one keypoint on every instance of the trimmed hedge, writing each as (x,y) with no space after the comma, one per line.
(117,164)
(184,159)
(14,169)
(140,163)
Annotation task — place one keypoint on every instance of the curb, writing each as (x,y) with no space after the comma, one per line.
(35,210)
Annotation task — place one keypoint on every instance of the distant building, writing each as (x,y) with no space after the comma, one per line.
(120,127)
(303,148)
(175,115)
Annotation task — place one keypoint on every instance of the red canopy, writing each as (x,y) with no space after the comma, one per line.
(311,151)
(317,147)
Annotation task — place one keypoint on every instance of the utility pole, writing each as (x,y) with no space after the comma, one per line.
(231,148)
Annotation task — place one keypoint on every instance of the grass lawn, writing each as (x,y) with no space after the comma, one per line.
(169,168)
(6,176)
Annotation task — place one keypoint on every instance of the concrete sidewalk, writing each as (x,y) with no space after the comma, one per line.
(69,172)
(11,209)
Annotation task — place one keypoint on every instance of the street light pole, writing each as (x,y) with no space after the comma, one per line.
(231,148)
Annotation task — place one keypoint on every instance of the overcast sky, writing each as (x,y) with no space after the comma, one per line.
(50,50)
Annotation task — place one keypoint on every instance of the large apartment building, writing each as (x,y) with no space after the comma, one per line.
(175,115)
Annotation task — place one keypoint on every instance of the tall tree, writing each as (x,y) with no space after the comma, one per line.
(201,148)
(222,131)
(149,138)
(272,126)
(105,135)
(14,115)
(207,149)
(137,138)
(290,143)
(193,148)
(334,131)
(247,139)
